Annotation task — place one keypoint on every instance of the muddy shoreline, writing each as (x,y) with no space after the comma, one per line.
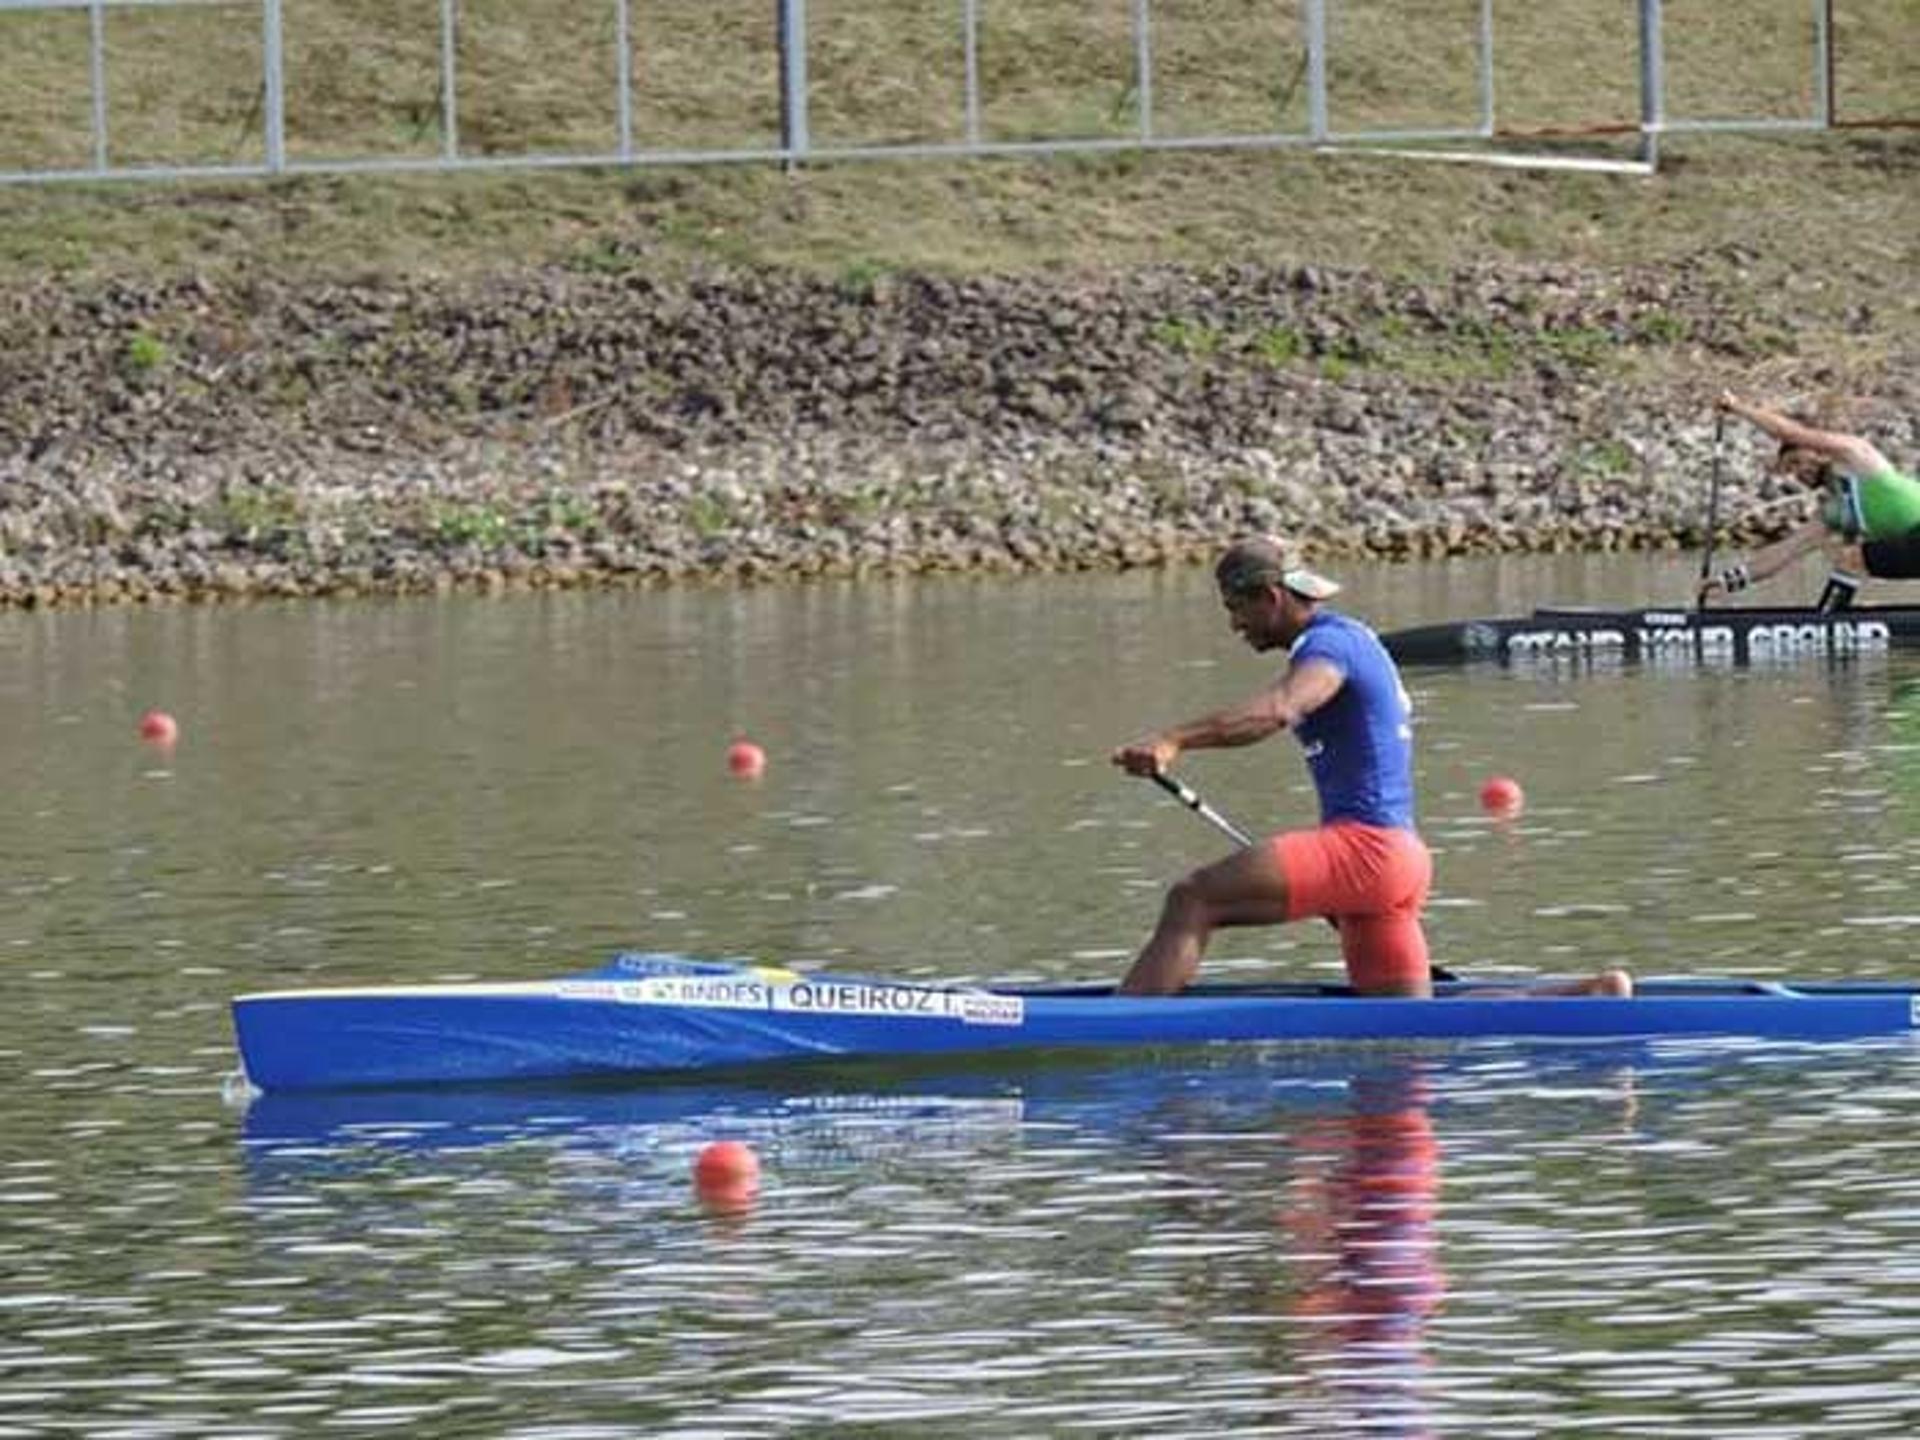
(257,436)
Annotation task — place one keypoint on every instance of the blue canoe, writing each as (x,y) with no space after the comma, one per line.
(644,1014)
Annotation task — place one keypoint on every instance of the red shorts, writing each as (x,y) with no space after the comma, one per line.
(1373,881)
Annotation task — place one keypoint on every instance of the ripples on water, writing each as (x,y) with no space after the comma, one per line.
(1477,1241)
(1490,1239)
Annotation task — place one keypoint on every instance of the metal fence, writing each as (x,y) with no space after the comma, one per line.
(263,146)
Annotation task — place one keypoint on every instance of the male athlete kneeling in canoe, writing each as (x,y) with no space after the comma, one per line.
(1364,867)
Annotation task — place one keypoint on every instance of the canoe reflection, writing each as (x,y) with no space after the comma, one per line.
(814,1112)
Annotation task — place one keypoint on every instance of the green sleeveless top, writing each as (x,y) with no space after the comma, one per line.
(1872,507)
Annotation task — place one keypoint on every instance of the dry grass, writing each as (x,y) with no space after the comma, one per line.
(538,76)
(1835,217)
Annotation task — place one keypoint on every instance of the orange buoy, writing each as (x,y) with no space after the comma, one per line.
(1502,797)
(159,728)
(726,1175)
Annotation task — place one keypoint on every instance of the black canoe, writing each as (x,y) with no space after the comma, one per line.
(1735,635)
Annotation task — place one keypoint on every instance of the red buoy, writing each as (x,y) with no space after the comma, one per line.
(159,728)
(1502,797)
(726,1175)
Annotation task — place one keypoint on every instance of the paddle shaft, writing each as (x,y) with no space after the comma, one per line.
(1187,797)
(1713,502)
(1190,798)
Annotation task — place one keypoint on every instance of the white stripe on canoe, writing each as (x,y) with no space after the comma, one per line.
(555,989)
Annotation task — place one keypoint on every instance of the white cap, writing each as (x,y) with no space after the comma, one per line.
(1265,560)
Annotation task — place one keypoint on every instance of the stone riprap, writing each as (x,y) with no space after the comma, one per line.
(198,440)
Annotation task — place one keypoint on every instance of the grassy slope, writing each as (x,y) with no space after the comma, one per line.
(1821,225)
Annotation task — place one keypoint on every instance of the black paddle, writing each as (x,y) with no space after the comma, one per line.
(1188,797)
(1713,510)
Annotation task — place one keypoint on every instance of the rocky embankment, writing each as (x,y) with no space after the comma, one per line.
(199,439)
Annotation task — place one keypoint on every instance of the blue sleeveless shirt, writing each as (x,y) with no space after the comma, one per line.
(1360,743)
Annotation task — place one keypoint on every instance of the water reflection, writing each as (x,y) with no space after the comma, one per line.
(1359,1213)
(1237,1240)
(1177,1201)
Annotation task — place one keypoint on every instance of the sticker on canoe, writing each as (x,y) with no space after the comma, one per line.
(854,997)
(1913,1011)
(772,989)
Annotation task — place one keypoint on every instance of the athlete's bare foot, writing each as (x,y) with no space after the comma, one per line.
(1612,984)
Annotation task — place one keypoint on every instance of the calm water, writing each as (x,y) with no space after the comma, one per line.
(1490,1240)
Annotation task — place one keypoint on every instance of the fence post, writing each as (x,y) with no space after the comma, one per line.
(273,63)
(793,80)
(97,77)
(1143,66)
(1317,71)
(1823,61)
(1486,68)
(623,76)
(449,80)
(1653,103)
(970,20)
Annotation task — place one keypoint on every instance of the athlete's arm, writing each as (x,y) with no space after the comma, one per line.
(1767,561)
(1857,456)
(1770,560)
(1303,689)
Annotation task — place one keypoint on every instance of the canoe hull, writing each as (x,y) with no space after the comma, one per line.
(627,1021)
(1734,635)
